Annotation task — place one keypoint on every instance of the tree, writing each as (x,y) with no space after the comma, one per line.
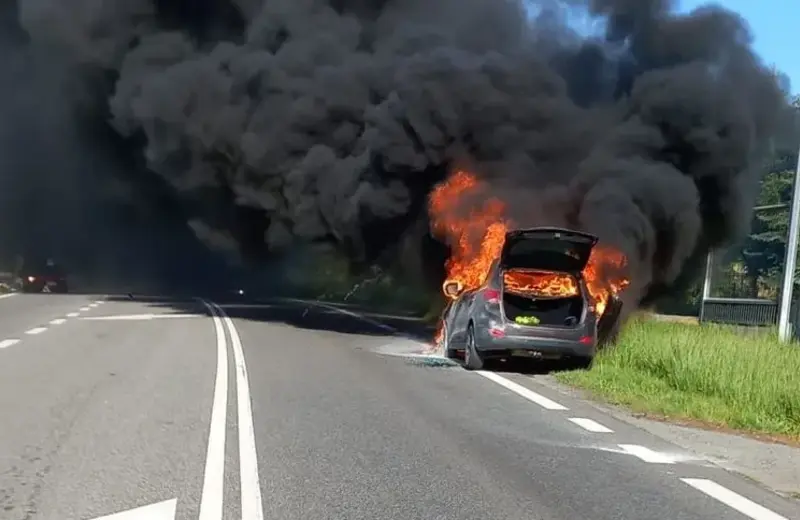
(763,253)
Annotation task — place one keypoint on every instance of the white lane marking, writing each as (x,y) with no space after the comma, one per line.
(590,425)
(8,343)
(37,330)
(58,321)
(73,314)
(99,302)
(141,317)
(7,295)
(246,306)
(733,500)
(646,454)
(213,478)
(165,510)
(252,506)
(84,309)
(92,305)
(527,393)
(352,314)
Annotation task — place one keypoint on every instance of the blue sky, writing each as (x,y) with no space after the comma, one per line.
(774,25)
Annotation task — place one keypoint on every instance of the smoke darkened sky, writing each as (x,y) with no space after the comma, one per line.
(280,121)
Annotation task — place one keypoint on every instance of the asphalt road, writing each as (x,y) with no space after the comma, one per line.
(315,416)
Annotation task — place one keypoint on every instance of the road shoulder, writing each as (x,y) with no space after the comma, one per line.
(774,465)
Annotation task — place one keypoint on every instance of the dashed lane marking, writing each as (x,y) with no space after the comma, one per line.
(646,454)
(73,314)
(518,389)
(84,309)
(58,321)
(590,425)
(8,343)
(733,500)
(37,330)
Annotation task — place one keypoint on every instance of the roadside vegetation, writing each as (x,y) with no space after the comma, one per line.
(713,374)
(326,277)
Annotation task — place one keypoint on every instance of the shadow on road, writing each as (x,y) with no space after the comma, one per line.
(349,319)
(329,317)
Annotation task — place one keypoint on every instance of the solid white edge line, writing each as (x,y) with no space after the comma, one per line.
(37,330)
(252,506)
(518,389)
(590,425)
(733,500)
(213,477)
(646,454)
(8,343)
(352,314)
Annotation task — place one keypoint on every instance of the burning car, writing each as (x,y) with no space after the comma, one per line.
(535,302)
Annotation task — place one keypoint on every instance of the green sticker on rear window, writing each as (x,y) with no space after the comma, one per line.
(527,320)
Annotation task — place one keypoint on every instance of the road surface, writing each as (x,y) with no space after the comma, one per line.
(111,405)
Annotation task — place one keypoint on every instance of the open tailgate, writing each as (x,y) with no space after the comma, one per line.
(547,249)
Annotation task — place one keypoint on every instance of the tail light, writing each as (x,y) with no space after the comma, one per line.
(497,332)
(492,296)
(586,340)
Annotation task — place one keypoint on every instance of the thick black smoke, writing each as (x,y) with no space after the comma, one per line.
(329,120)
(64,178)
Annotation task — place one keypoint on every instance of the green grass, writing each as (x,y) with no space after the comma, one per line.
(714,374)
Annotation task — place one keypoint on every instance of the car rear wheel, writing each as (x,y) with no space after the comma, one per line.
(472,359)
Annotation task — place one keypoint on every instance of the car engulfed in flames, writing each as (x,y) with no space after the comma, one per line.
(479,242)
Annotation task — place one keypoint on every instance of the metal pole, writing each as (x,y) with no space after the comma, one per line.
(791,258)
(706,284)
(707,281)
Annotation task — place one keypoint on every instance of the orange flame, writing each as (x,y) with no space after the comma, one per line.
(476,239)
(539,283)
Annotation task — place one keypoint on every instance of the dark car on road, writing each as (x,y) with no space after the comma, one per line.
(43,278)
(501,319)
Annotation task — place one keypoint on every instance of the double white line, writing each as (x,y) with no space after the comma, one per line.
(214,477)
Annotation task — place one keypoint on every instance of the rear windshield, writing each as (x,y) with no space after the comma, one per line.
(555,255)
(537,283)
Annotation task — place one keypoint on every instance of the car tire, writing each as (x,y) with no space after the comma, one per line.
(472,359)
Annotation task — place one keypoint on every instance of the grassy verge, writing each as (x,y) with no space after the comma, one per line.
(711,374)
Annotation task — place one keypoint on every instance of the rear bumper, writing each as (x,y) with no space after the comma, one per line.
(532,346)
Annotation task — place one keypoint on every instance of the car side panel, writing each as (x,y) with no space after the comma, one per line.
(461,319)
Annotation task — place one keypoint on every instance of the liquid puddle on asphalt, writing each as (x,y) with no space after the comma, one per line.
(416,352)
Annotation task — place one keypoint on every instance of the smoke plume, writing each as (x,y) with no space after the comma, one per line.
(279,121)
